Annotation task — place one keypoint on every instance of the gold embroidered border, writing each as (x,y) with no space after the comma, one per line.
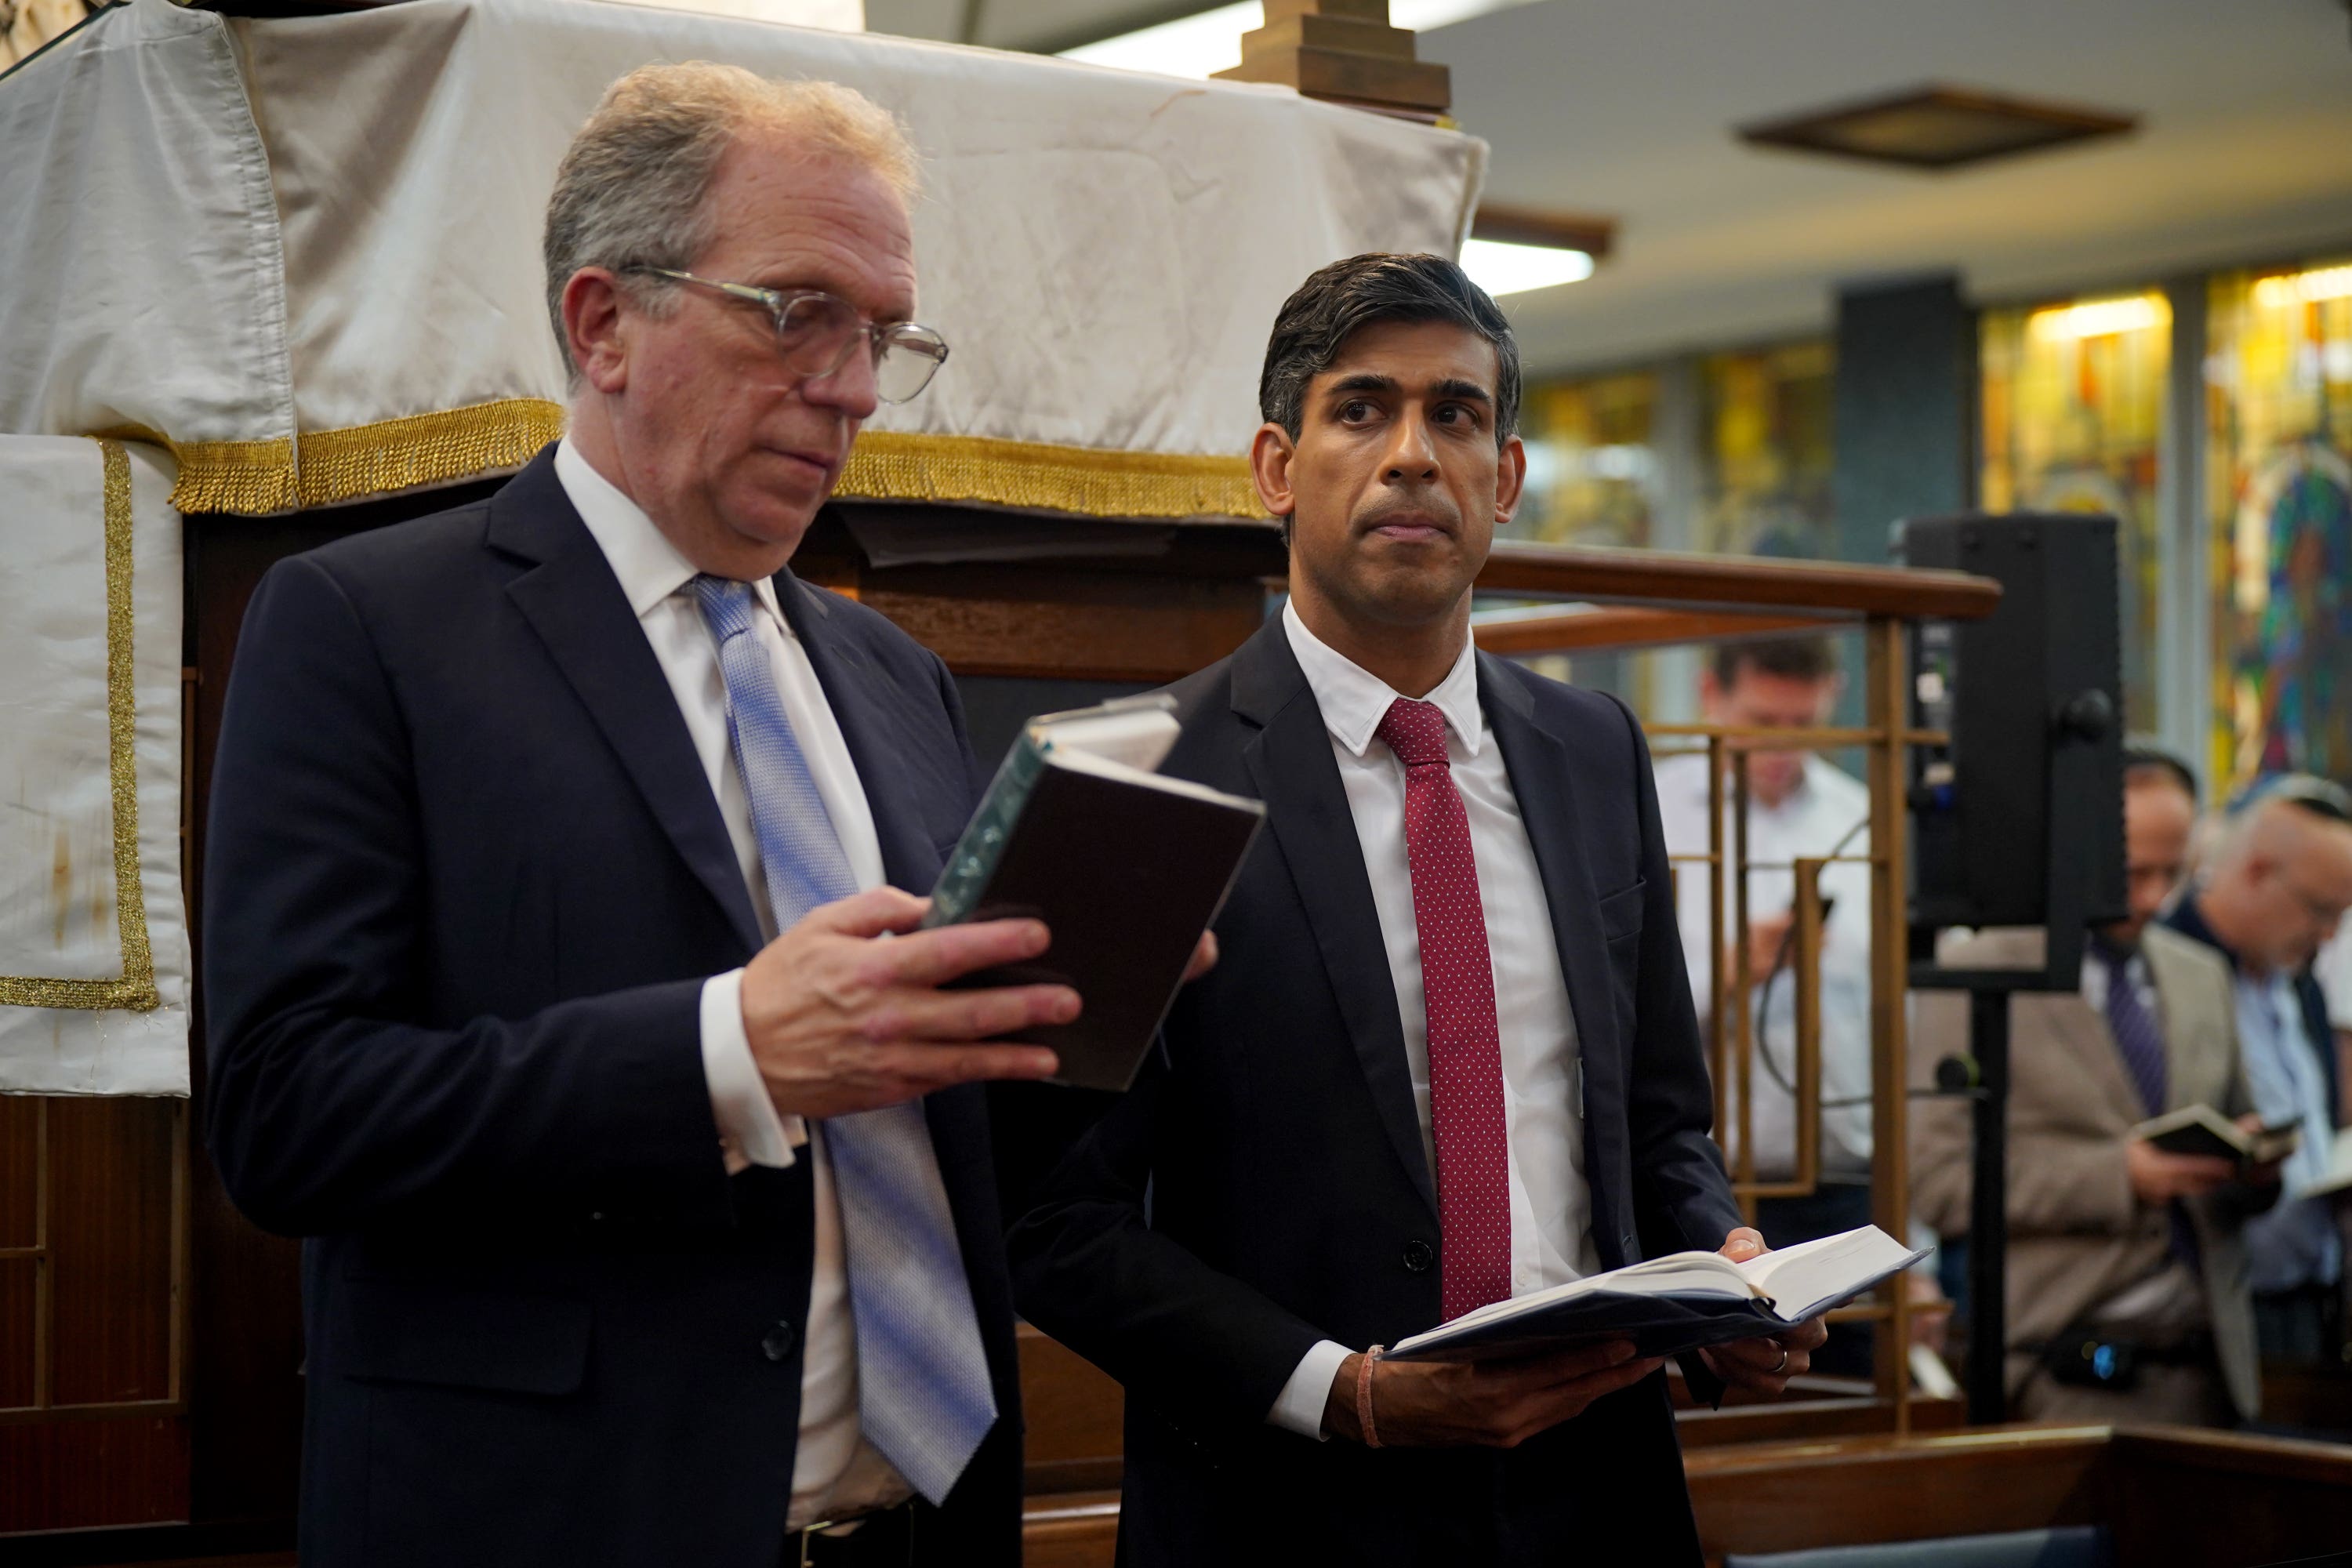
(136,990)
(895,466)
(321,468)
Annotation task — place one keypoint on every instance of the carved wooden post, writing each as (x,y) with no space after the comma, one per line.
(1346,51)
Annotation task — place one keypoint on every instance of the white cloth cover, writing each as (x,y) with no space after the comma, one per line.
(90,1001)
(1104,250)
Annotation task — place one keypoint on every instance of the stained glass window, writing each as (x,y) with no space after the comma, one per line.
(1765,485)
(1593,475)
(2279,493)
(2073,404)
(1591,469)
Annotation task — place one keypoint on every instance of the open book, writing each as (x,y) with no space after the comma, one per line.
(1678,1302)
(2338,1178)
(1126,867)
(2202,1130)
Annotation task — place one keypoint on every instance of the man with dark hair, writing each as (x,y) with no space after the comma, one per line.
(2112,1241)
(1449,1057)
(1798,806)
(2278,886)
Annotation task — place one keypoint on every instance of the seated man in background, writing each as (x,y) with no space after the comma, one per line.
(2279,884)
(1798,805)
(2111,1240)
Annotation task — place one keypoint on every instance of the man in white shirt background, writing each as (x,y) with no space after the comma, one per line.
(1798,806)
(1448,1056)
(556,840)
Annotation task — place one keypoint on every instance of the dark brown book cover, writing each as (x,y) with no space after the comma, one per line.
(1127,874)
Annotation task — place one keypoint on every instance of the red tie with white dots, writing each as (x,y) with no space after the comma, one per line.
(1466,1055)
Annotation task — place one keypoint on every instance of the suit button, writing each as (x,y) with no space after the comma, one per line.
(1418,1257)
(777,1342)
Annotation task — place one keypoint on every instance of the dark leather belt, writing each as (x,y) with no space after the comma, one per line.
(884,1540)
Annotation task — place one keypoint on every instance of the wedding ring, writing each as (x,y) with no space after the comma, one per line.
(1782,1365)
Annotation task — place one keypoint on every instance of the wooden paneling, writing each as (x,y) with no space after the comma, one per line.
(1076,1530)
(2226,1501)
(73,1474)
(1075,624)
(1780,1498)
(112,1185)
(1618,626)
(1073,1413)
(1664,578)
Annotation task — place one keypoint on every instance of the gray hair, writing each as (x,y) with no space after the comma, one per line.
(633,188)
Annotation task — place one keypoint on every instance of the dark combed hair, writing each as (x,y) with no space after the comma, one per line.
(1792,659)
(1316,322)
(2148,764)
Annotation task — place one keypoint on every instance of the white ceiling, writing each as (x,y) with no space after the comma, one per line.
(1624,106)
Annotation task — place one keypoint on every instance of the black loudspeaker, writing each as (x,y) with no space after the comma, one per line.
(2018,821)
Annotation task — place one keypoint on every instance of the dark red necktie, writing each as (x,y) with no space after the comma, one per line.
(1466,1054)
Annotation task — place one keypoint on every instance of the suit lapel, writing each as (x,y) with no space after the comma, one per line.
(1291,766)
(573,601)
(1541,780)
(2190,1031)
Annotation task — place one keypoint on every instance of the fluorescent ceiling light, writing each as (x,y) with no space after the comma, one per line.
(1501,268)
(2101,318)
(2304,288)
(1200,46)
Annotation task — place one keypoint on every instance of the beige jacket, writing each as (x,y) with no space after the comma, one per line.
(2078,1235)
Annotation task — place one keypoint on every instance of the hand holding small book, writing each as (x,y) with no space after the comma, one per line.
(1765,1364)
(1503,1400)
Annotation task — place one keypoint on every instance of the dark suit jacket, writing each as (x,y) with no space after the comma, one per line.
(1264,1187)
(465,878)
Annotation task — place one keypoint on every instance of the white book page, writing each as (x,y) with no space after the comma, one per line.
(1136,740)
(1802,1278)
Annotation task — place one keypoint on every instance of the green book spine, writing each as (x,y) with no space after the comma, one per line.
(984,837)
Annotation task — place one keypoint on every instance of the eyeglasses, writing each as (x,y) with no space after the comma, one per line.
(817,333)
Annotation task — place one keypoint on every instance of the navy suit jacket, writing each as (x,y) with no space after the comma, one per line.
(1264,1187)
(465,878)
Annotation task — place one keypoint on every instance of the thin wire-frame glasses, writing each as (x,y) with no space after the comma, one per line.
(817,332)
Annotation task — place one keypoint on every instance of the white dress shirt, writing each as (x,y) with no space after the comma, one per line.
(1810,821)
(1552,1205)
(835,1473)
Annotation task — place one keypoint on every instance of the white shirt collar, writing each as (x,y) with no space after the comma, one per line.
(1354,701)
(650,568)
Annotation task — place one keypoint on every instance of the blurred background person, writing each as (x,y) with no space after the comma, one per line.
(2114,1243)
(1798,806)
(2278,885)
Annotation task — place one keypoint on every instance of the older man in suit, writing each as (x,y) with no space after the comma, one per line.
(2113,1242)
(555,843)
(1450,1057)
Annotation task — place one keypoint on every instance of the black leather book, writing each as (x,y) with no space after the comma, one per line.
(1126,868)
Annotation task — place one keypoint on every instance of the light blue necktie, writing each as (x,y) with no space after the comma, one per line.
(923,1395)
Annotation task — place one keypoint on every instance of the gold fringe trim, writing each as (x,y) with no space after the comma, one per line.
(136,990)
(424,449)
(321,468)
(893,465)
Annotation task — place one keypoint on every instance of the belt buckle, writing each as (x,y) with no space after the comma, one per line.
(808,1534)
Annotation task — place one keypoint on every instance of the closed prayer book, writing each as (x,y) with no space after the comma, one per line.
(1676,1303)
(2202,1130)
(1126,866)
